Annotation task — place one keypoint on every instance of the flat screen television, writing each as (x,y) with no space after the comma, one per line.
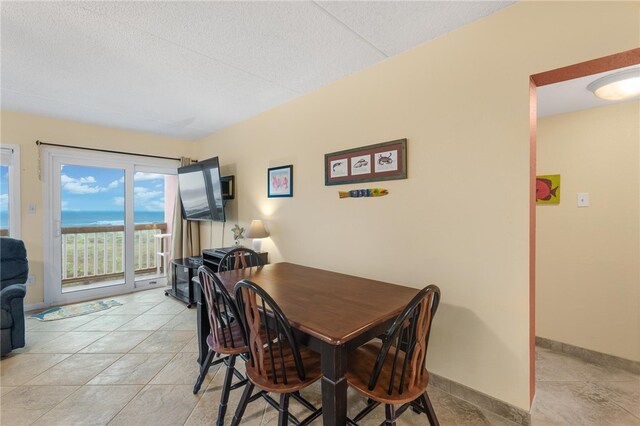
(201,191)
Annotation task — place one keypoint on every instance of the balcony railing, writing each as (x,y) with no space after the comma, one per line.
(96,253)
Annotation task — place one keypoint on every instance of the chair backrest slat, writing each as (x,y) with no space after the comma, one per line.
(239,258)
(409,334)
(265,320)
(221,309)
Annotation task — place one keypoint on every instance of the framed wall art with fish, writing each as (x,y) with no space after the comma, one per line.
(548,189)
(371,163)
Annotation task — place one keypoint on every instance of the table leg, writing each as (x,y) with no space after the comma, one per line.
(334,385)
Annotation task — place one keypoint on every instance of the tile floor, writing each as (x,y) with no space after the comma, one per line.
(135,365)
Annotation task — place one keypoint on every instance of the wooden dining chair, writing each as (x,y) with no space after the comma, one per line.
(393,371)
(277,363)
(227,336)
(239,258)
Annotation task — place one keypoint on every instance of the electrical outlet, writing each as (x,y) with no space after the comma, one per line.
(31,280)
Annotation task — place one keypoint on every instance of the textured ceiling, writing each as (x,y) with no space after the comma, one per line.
(188,69)
(573,95)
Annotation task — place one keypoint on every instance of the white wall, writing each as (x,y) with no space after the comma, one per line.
(588,258)
(461,219)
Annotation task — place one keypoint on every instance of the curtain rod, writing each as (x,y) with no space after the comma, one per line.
(39,142)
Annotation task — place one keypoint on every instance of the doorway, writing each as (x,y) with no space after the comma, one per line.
(609,63)
(109,224)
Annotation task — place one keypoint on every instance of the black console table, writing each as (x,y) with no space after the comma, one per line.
(182,273)
(212,257)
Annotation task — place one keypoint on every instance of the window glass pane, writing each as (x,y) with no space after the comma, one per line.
(4,201)
(153,200)
(92,203)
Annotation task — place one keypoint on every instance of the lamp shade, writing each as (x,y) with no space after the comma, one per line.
(256,230)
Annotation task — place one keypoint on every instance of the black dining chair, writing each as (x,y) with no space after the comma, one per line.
(227,336)
(239,258)
(277,363)
(393,371)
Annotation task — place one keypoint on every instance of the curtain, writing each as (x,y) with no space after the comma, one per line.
(185,236)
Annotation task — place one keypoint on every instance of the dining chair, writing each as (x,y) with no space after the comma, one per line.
(277,363)
(227,336)
(393,371)
(239,258)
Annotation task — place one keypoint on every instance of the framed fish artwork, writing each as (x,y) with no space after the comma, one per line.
(371,163)
(548,189)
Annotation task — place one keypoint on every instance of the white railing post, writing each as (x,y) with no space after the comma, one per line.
(75,255)
(113,252)
(64,256)
(95,254)
(104,252)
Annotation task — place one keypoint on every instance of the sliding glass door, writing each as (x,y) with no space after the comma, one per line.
(110,225)
(92,227)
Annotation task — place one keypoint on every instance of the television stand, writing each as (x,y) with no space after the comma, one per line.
(182,272)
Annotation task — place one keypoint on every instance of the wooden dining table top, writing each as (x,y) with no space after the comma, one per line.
(329,306)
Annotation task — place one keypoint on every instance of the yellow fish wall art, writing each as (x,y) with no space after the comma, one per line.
(358,193)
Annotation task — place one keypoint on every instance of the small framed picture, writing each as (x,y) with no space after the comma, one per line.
(280,181)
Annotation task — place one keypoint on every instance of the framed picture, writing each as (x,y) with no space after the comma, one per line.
(371,163)
(280,181)
(548,189)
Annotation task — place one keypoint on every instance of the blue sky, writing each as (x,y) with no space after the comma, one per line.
(4,194)
(102,189)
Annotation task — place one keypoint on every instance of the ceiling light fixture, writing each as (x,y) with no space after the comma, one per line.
(618,86)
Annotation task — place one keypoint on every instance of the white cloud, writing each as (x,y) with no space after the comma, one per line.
(145,193)
(154,205)
(64,205)
(142,176)
(118,201)
(4,201)
(84,185)
(149,200)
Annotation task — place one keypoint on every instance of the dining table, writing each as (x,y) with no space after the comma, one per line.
(332,313)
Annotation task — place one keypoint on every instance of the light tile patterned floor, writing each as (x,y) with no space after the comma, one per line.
(135,365)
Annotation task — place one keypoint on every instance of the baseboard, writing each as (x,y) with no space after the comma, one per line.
(595,357)
(482,400)
(34,307)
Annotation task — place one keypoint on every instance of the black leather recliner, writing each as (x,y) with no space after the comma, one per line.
(14,270)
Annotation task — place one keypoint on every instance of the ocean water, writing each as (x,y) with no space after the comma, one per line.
(102,218)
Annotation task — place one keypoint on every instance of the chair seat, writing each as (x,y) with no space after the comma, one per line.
(360,368)
(233,333)
(310,359)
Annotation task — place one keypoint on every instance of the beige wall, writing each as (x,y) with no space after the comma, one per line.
(588,258)
(461,219)
(24,130)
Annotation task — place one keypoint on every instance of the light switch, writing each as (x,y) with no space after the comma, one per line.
(31,208)
(583,199)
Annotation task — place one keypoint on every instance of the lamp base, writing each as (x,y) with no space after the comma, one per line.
(257,244)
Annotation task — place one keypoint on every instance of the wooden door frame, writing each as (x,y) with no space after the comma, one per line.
(583,69)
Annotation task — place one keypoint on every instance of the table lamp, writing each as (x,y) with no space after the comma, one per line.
(257,232)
